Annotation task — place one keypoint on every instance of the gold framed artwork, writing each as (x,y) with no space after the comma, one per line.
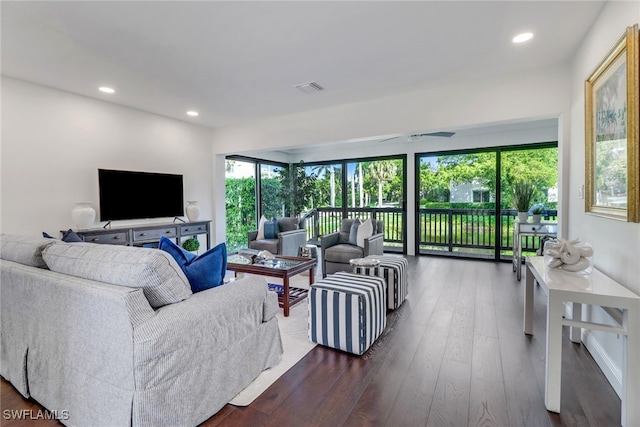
(612,133)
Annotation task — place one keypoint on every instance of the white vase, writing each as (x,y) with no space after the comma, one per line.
(523,216)
(83,215)
(193,210)
(536,218)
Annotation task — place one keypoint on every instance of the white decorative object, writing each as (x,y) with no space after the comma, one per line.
(83,215)
(568,255)
(523,216)
(193,210)
(536,218)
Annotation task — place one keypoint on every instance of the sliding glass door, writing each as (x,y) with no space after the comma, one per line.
(465,198)
(457,204)
(240,197)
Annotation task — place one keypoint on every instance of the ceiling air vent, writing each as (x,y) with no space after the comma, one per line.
(442,134)
(418,136)
(310,87)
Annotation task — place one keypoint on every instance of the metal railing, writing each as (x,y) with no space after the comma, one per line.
(460,230)
(440,230)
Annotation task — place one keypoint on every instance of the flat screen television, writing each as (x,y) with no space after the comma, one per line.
(139,195)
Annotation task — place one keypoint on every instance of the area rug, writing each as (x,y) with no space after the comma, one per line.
(296,345)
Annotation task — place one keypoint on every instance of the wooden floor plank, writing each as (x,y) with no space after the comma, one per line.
(487,403)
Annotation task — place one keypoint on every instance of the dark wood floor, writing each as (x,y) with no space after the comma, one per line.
(452,355)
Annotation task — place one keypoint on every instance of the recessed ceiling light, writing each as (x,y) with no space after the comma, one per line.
(520,38)
(192,113)
(106,89)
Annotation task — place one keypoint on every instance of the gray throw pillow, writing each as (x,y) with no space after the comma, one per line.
(353,233)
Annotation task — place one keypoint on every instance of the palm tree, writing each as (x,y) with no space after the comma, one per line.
(381,171)
(361,184)
(323,169)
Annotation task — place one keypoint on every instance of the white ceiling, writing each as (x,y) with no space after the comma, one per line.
(237,61)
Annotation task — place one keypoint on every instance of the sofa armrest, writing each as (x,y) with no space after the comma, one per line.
(329,240)
(83,325)
(374,245)
(289,242)
(252,235)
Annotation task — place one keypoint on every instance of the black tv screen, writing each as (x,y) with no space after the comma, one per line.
(139,195)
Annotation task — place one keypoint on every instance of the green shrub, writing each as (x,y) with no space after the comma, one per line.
(192,244)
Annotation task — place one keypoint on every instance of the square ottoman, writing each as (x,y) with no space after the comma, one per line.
(347,311)
(394,272)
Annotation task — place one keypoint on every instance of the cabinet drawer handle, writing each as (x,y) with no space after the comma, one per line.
(117,237)
(143,234)
(186,229)
(168,232)
(95,239)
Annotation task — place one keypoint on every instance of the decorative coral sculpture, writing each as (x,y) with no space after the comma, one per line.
(568,255)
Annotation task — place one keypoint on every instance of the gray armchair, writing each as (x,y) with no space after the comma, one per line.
(336,251)
(291,236)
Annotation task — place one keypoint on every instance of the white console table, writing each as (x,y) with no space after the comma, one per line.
(595,289)
(529,229)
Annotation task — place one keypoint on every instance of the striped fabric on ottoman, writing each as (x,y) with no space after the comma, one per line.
(347,311)
(394,271)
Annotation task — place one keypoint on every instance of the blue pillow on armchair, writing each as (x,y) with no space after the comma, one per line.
(271,229)
(203,271)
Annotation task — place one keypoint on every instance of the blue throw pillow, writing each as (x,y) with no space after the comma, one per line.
(71,237)
(271,229)
(204,271)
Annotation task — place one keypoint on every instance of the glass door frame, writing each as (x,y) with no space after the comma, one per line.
(497,234)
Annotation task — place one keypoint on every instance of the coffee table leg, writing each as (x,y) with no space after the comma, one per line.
(285,296)
(312,273)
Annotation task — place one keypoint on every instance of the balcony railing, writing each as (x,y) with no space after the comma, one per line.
(472,230)
(441,230)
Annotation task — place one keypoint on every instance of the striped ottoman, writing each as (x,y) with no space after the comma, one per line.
(347,311)
(394,271)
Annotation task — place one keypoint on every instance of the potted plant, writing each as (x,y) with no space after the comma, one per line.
(192,244)
(536,211)
(522,196)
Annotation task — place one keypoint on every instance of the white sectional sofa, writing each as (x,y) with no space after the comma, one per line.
(112,335)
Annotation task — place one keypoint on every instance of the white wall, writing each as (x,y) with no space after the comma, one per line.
(616,243)
(53,143)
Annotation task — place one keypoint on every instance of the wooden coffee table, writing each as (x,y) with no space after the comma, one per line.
(283,267)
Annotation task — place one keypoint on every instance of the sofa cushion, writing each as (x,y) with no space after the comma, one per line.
(288,224)
(25,250)
(203,271)
(270,245)
(153,270)
(343,253)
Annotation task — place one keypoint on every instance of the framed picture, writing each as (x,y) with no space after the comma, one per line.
(612,152)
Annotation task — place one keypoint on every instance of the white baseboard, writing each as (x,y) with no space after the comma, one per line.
(611,371)
(606,364)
